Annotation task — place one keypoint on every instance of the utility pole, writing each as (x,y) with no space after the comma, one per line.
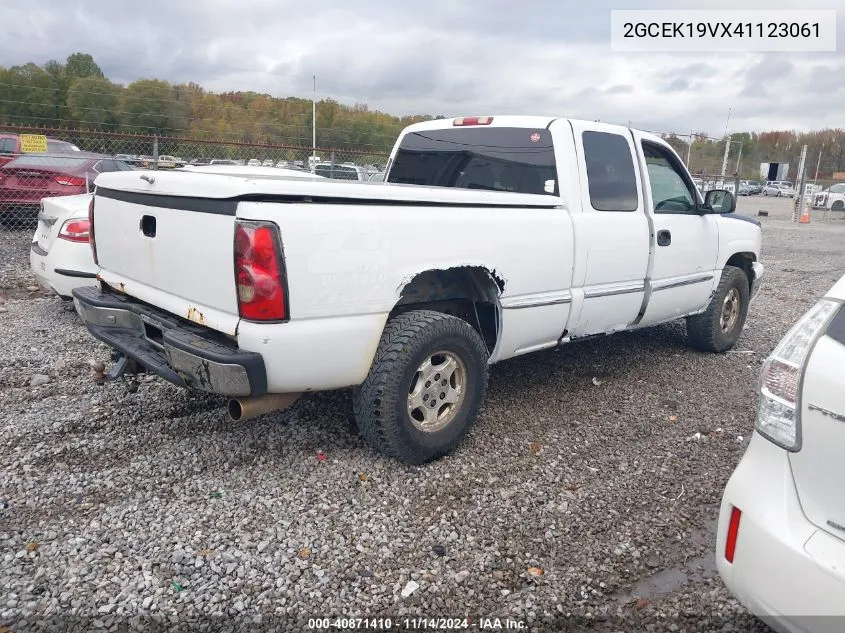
(799,196)
(689,147)
(727,144)
(818,164)
(314,126)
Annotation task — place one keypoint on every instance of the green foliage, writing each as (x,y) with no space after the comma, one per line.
(151,105)
(81,65)
(93,101)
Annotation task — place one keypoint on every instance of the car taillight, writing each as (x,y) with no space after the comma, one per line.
(75,231)
(70,181)
(260,272)
(91,230)
(473,120)
(780,378)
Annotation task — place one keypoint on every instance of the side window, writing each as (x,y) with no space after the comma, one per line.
(8,145)
(610,172)
(669,190)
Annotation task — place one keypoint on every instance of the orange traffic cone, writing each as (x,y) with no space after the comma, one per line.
(805,213)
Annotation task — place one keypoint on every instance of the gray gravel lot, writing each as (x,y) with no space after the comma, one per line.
(568,499)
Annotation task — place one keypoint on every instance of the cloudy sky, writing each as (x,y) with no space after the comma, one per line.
(450,57)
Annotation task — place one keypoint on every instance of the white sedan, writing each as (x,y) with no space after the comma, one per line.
(777,189)
(780,546)
(60,255)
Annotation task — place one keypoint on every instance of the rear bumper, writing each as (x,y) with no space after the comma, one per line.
(785,570)
(67,266)
(758,272)
(184,354)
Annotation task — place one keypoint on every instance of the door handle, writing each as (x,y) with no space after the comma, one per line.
(664,238)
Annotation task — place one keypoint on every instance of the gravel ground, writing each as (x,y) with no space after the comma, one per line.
(571,505)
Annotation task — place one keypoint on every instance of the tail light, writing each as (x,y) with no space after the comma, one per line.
(260,272)
(76,231)
(91,230)
(473,120)
(70,181)
(778,409)
(733,533)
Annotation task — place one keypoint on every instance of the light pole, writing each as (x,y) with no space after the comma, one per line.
(314,126)
(818,164)
(689,147)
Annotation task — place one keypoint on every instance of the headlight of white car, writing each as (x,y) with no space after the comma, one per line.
(782,373)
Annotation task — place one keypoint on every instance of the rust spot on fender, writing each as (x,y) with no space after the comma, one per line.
(196,316)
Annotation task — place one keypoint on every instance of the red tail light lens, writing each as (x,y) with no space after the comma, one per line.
(76,231)
(260,272)
(733,533)
(91,230)
(70,181)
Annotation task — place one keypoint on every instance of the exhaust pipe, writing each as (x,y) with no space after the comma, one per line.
(247,408)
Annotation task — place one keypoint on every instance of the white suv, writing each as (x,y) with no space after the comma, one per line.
(780,546)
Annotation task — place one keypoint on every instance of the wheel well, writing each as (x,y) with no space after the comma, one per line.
(470,293)
(743,261)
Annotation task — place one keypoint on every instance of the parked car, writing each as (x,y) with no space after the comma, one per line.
(129,159)
(267,162)
(60,255)
(222,161)
(751,187)
(832,198)
(10,147)
(253,162)
(745,190)
(781,531)
(344,171)
(29,178)
(413,324)
(779,190)
(377,177)
(166,161)
(283,163)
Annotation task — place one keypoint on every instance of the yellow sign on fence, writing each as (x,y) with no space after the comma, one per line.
(33,143)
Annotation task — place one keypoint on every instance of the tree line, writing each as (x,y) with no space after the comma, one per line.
(77,94)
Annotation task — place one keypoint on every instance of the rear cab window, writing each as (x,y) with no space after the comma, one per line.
(491,158)
(610,172)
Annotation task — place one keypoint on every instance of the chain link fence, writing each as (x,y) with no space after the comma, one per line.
(74,158)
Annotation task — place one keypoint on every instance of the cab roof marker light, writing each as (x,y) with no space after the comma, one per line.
(473,120)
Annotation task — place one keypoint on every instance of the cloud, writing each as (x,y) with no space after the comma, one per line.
(452,57)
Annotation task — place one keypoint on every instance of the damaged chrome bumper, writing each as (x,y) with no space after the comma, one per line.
(184,354)
(758,272)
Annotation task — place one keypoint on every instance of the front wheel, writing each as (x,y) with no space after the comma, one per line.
(425,387)
(717,329)
(839,205)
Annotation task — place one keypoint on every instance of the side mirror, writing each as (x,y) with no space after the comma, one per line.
(720,201)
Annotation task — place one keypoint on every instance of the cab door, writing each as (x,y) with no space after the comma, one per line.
(683,272)
(611,231)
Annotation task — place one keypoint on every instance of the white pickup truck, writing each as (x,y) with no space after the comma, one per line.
(491,237)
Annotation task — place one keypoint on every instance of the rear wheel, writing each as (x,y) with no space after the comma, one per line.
(425,387)
(717,329)
(839,205)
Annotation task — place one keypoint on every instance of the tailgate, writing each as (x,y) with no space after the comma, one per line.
(170,251)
